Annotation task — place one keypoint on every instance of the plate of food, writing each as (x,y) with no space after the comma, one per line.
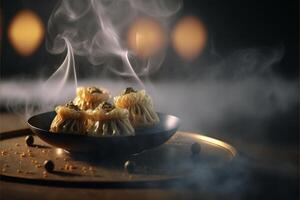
(95,123)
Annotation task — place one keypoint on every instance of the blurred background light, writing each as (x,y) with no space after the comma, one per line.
(189,37)
(26,32)
(146,37)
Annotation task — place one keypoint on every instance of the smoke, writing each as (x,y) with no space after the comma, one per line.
(96,29)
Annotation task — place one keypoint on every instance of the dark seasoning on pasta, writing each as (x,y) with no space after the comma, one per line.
(91,113)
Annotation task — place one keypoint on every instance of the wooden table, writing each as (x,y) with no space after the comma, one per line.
(264,181)
(13,190)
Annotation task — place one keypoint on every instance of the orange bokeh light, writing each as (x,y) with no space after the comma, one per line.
(189,37)
(26,32)
(146,37)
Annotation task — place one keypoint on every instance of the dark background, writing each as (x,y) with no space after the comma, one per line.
(231,25)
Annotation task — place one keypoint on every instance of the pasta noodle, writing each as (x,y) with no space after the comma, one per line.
(90,113)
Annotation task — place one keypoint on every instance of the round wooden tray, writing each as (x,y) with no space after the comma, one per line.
(169,162)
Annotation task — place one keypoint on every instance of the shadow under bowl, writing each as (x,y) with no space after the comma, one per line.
(144,138)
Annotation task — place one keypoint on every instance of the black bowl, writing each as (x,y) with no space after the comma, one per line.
(144,138)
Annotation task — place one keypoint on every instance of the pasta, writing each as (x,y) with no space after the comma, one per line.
(69,118)
(90,113)
(106,119)
(140,107)
(90,97)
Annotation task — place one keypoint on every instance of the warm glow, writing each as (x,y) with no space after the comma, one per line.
(216,142)
(189,37)
(26,32)
(146,37)
(59,151)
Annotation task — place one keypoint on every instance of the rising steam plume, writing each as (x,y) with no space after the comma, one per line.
(95,29)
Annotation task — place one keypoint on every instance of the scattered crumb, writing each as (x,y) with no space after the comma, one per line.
(45,174)
(73,167)
(66,167)
(17,144)
(39,166)
(69,167)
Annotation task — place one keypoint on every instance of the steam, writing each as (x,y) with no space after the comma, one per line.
(96,29)
(65,73)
